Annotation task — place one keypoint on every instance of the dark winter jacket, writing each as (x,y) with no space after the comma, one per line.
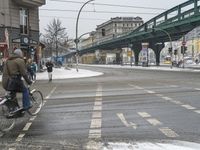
(49,66)
(16,66)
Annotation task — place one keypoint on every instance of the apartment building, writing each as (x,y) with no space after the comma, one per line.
(116,26)
(19,25)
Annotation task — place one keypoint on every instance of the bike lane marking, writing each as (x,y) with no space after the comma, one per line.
(28,124)
(165,130)
(96,122)
(186,106)
(125,122)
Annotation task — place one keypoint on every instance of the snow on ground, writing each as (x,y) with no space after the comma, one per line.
(192,68)
(62,73)
(174,145)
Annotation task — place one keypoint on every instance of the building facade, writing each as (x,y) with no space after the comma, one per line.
(19,24)
(112,28)
(116,26)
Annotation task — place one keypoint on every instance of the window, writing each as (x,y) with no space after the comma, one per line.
(23,21)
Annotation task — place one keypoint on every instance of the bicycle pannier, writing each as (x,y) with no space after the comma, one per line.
(14,84)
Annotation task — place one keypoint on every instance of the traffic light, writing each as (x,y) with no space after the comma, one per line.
(183,49)
(170,50)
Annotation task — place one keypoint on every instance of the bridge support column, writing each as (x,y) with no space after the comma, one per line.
(157,47)
(136,48)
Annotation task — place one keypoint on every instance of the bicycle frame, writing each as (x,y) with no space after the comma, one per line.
(3,101)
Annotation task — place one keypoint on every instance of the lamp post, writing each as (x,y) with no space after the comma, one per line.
(170,39)
(77,39)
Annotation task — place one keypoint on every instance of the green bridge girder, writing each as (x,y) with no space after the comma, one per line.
(176,21)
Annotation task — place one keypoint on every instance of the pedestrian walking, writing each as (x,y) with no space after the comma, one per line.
(33,71)
(49,66)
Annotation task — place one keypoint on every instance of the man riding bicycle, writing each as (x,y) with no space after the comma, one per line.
(15,67)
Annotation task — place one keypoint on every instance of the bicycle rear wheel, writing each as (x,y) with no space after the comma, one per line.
(5,123)
(36,99)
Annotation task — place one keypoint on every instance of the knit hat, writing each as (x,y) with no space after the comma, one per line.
(18,52)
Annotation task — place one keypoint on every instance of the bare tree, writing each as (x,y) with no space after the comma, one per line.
(55,35)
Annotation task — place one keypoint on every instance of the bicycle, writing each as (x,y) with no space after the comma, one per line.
(9,102)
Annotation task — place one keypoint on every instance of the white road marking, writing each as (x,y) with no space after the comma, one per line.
(154,121)
(12,149)
(49,95)
(198,89)
(176,102)
(133,125)
(197,111)
(98,103)
(168,132)
(144,114)
(93,145)
(96,115)
(150,92)
(167,98)
(159,95)
(188,107)
(97,108)
(137,87)
(123,120)
(173,86)
(96,122)
(32,118)
(20,137)
(27,126)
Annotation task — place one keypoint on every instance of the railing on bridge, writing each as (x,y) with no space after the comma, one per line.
(180,19)
(178,13)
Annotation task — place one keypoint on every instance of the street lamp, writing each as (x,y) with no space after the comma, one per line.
(77,39)
(170,39)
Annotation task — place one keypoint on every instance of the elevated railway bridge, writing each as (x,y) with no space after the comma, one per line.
(168,26)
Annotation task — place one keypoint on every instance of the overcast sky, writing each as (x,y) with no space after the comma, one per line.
(98,14)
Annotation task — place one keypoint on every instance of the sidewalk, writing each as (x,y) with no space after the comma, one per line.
(187,68)
(62,73)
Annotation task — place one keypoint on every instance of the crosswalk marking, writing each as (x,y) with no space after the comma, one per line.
(154,121)
(188,107)
(144,114)
(150,92)
(166,98)
(168,132)
(197,111)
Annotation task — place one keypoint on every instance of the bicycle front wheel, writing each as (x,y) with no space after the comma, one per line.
(6,124)
(36,99)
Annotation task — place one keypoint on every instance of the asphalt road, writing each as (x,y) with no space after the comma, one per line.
(123,105)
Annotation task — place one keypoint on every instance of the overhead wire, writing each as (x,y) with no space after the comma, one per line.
(113,5)
(88,11)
